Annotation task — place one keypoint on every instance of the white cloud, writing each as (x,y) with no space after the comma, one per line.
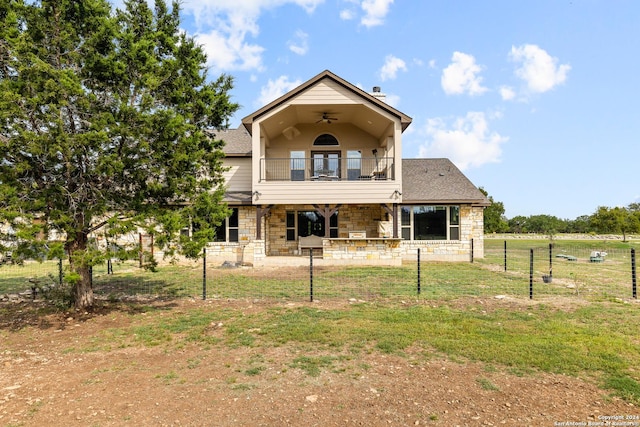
(467,141)
(461,76)
(393,100)
(392,65)
(300,45)
(539,70)
(275,89)
(230,52)
(432,63)
(375,12)
(224,27)
(507,93)
(347,14)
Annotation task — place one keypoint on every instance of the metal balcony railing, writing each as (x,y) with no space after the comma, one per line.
(327,169)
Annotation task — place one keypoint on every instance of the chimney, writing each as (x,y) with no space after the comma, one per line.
(379,95)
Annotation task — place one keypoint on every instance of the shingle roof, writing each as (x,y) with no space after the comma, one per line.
(237,141)
(437,181)
(238,197)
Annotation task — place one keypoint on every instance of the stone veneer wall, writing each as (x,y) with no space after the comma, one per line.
(362,251)
(350,218)
(366,218)
(247,250)
(471,227)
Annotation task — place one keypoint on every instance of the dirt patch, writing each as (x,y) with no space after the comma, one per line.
(56,370)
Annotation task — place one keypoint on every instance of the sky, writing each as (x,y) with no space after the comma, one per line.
(536,101)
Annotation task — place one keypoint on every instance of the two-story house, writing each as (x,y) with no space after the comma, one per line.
(321,167)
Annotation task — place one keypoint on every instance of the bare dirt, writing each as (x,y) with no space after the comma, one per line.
(56,371)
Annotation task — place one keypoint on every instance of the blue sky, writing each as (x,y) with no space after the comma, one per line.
(534,100)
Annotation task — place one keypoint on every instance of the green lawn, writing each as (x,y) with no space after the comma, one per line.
(583,324)
(597,341)
(572,270)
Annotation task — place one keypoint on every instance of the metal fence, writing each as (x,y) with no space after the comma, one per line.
(562,269)
(525,273)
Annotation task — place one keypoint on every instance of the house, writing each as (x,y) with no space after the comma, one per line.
(321,168)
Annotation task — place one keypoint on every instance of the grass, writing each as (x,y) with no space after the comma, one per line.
(596,340)
(610,279)
(486,384)
(438,280)
(312,365)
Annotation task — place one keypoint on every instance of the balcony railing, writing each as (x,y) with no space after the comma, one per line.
(327,169)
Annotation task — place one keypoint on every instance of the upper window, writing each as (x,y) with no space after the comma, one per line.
(326,140)
(297,165)
(427,222)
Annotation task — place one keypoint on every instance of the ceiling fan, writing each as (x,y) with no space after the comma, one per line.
(327,119)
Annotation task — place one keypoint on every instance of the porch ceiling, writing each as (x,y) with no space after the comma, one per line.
(360,116)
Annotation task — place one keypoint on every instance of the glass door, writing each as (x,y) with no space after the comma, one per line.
(326,164)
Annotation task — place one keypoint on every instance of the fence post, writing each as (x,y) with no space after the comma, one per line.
(505,255)
(550,261)
(204,274)
(633,274)
(471,251)
(531,273)
(418,271)
(310,274)
(60,276)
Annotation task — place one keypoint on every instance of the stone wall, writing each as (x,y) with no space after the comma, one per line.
(471,228)
(350,218)
(363,251)
(372,219)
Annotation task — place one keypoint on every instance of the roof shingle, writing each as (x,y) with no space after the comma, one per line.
(237,141)
(437,181)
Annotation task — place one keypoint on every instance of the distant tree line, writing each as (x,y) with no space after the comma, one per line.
(618,220)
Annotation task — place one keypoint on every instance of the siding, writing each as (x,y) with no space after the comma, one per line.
(238,177)
(327,92)
(346,192)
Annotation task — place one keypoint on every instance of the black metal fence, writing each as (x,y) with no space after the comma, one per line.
(546,271)
(565,269)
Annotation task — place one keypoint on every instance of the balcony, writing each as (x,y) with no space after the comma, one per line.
(327,167)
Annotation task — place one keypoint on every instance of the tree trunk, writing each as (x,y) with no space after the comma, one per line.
(83,288)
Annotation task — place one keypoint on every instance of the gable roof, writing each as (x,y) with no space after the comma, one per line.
(404,119)
(237,142)
(437,181)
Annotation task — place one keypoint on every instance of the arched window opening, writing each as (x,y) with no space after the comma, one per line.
(326,140)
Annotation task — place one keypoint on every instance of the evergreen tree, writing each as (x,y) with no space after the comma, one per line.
(494,219)
(105,126)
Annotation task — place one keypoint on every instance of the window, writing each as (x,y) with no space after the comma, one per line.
(308,223)
(228,230)
(297,166)
(325,139)
(426,222)
(354,164)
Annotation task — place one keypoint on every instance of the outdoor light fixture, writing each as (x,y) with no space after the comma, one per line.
(374,151)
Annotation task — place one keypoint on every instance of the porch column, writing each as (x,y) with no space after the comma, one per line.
(261,213)
(326,212)
(394,214)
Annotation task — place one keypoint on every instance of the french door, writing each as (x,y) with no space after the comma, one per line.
(326,163)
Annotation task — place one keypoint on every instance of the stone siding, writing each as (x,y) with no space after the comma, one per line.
(350,218)
(471,228)
(372,219)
